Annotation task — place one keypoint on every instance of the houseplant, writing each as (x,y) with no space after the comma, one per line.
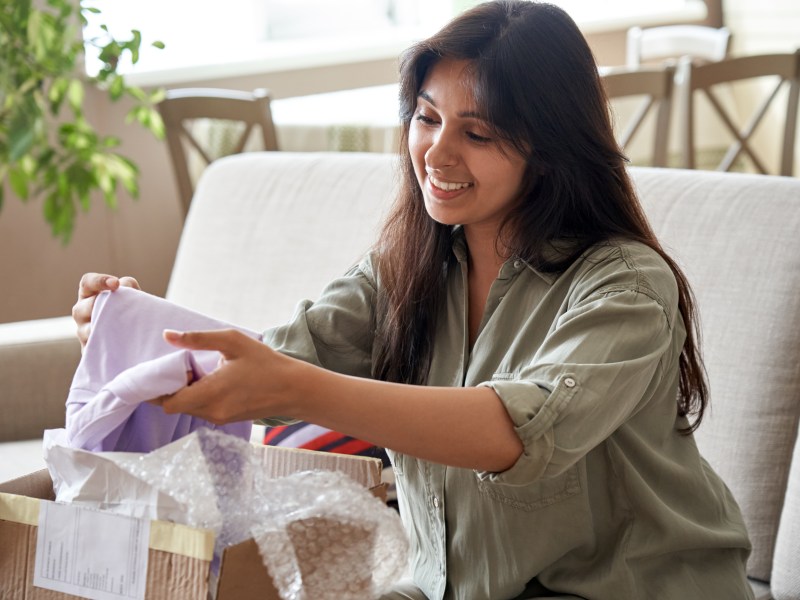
(48,147)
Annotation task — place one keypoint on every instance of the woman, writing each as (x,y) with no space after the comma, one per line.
(517,340)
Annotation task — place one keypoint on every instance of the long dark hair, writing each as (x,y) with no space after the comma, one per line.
(537,83)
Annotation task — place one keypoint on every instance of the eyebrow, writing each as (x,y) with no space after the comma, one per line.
(470,114)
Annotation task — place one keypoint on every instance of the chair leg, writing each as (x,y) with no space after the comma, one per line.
(684,75)
(790,132)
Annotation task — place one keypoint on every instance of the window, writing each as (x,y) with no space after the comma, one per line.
(218,32)
(298,33)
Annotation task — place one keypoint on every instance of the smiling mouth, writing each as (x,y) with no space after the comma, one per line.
(447,186)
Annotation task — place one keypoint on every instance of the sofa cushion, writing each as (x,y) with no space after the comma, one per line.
(737,238)
(37,361)
(315,437)
(734,234)
(318,225)
(786,568)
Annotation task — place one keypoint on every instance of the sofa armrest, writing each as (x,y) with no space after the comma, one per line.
(37,362)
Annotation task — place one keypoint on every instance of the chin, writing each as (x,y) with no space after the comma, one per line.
(440,216)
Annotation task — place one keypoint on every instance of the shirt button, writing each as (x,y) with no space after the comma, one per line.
(569,382)
(517,264)
(435,502)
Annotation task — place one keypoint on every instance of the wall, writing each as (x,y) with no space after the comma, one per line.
(763,26)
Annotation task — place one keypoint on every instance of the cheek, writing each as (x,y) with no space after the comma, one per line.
(417,149)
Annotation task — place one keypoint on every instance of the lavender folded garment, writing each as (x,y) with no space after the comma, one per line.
(125,363)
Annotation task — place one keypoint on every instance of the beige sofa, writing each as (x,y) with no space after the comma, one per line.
(268,229)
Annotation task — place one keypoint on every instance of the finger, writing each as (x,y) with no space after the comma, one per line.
(83,334)
(227,341)
(82,315)
(82,310)
(201,399)
(129,282)
(163,398)
(93,283)
(159,401)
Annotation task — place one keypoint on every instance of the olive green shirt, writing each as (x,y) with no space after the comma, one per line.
(608,500)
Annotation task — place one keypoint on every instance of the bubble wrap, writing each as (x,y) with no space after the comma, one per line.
(321,534)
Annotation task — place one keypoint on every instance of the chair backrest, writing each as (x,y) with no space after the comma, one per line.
(784,69)
(181,107)
(650,44)
(655,85)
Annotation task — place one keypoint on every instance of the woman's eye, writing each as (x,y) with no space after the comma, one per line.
(425,119)
(478,138)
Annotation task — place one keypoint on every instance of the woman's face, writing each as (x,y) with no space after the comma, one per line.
(467,176)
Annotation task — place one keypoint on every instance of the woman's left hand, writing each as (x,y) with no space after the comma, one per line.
(251,381)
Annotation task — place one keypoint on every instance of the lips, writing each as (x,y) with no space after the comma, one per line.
(448,186)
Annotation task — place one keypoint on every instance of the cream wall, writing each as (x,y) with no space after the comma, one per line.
(763,25)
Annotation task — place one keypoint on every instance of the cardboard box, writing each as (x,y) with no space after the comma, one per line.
(179,557)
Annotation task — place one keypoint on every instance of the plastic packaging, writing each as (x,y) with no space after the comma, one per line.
(321,534)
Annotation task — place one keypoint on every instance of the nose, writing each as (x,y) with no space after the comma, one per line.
(443,151)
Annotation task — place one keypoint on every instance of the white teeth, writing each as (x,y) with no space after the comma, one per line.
(447,186)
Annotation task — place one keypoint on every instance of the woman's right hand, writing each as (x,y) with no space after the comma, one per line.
(90,286)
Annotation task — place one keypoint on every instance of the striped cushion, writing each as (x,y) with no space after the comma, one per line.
(314,437)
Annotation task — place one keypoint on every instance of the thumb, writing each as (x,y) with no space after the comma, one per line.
(225,341)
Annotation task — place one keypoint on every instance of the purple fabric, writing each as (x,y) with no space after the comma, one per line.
(127,362)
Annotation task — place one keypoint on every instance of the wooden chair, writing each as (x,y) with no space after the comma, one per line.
(181,107)
(785,68)
(655,84)
(656,44)
(673,44)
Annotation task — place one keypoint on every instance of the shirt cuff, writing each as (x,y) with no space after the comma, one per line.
(534,411)
(157,377)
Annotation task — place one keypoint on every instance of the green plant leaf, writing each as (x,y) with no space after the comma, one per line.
(21,135)
(134,44)
(117,87)
(158,95)
(34,27)
(156,124)
(75,94)
(110,54)
(19,183)
(111,141)
(137,93)
(57,93)
(45,151)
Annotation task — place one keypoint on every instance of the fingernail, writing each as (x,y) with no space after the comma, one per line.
(112,281)
(172,334)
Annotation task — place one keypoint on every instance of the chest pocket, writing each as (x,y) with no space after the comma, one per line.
(537,495)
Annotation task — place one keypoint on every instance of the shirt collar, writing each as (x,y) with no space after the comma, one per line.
(510,267)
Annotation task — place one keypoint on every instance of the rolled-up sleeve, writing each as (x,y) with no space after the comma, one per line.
(600,363)
(336,331)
